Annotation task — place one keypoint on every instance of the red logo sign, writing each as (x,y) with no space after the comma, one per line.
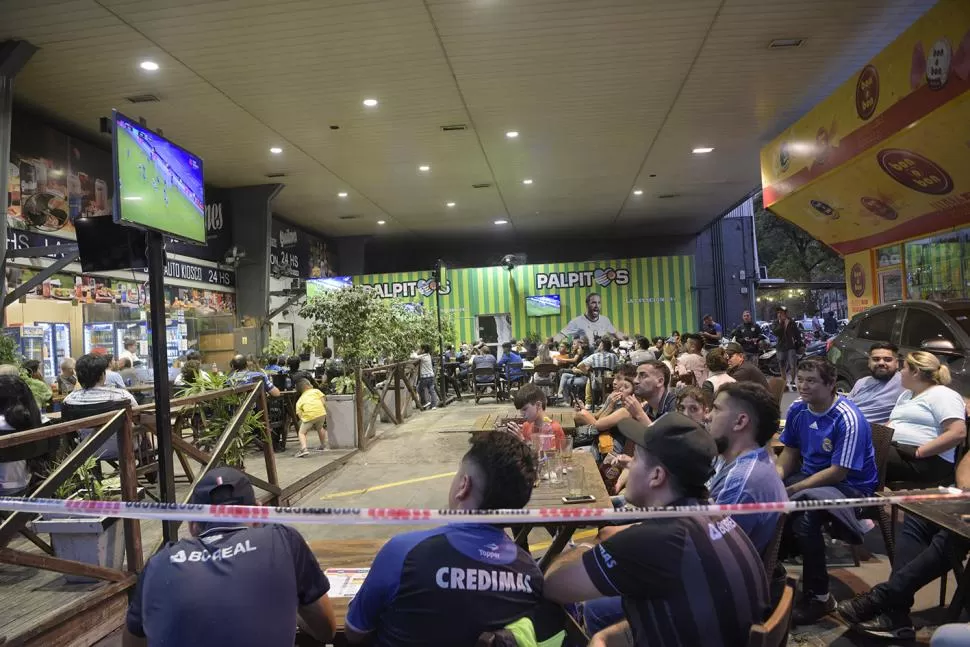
(914,171)
(867,92)
(857,280)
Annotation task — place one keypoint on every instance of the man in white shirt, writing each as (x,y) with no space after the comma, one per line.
(130,353)
(876,394)
(591,324)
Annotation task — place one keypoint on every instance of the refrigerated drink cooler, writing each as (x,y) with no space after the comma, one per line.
(29,341)
(134,330)
(57,347)
(99,336)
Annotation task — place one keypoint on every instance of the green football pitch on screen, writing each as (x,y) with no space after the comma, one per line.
(536,309)
(148,200)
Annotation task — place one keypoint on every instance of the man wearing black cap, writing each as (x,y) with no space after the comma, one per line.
(230,583)
(697,578)
(740,368)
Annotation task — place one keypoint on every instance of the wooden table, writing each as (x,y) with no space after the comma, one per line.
(487,422)
(546,495)
(946,515)
(344,553)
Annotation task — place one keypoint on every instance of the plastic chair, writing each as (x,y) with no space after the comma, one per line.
(881,438)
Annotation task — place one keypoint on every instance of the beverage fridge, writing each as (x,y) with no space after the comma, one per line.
(99,335)
(136,331)
(57,346)
(29,341)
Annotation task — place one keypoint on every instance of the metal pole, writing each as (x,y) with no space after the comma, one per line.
(438,267)
(163,414)
(14,55)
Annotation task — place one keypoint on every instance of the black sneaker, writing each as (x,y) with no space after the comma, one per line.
(892,625)
(810,610)
(861,608)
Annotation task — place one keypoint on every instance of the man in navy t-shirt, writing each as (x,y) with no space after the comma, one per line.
(230,584)
(828,454)
(449,585)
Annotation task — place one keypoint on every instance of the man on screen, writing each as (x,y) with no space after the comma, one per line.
(591,324)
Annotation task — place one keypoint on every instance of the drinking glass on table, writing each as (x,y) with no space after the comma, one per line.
(566,449)
(575,479)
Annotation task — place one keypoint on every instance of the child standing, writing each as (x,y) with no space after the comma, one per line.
(313,415)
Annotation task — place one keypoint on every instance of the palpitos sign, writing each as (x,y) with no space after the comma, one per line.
(423,287)
(587,278)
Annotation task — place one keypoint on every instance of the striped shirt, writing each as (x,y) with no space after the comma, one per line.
(839,436)
(876,398)
(99,395)
(600,360)
(685,581)
(750,478)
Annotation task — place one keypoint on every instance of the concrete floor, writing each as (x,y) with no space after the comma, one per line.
(411,466)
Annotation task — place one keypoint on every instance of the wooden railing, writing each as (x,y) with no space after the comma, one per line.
(123,423)
(113,422)
(394,376)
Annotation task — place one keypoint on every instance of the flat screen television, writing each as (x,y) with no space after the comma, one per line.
(106,245)
(542,305)
(313,286)
(159,185)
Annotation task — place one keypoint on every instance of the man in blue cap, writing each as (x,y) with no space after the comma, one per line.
(230,583)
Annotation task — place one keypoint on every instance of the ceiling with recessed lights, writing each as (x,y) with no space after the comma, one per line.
(568,114)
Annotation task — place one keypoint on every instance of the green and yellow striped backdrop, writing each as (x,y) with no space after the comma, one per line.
(657,299)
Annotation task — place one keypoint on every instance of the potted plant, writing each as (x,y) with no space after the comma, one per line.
(218,413)
(92,540)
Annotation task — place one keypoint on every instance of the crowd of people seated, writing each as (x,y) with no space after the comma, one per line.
(683,420)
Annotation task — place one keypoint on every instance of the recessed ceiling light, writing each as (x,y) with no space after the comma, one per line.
(702,150)
(148,66)
(501,222)
(424,168)
(512,134)
(342,194)
(638,192)
(370,103)
(380,222)
(527,181)
(449,204)
(276,150)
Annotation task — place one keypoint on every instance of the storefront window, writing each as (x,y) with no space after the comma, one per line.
(936,267)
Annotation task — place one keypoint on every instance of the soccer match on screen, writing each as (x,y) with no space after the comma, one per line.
(160,185)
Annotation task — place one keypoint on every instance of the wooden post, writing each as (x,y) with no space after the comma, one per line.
(268,454)
(129,492)
(359,409)
(396,371)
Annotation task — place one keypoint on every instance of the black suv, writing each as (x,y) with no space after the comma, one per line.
(942,328)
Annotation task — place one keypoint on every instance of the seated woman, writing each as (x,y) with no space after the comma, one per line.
(572,358)
(928,422)
(18,412)
(598,431)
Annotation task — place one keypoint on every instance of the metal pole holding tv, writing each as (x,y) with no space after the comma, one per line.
(155,248)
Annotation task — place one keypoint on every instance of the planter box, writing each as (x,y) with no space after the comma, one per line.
(92,540)
(342,421)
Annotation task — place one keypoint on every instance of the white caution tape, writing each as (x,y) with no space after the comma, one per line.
(406,516)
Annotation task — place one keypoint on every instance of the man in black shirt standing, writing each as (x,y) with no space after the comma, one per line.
(749,335)
(683,580)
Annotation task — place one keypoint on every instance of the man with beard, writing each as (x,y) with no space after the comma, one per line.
(591,324)
(742,421)
(651,398)
(876,395)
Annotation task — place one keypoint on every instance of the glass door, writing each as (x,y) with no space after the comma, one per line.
(890,286)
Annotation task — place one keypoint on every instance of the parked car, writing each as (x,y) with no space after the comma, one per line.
(942,328)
